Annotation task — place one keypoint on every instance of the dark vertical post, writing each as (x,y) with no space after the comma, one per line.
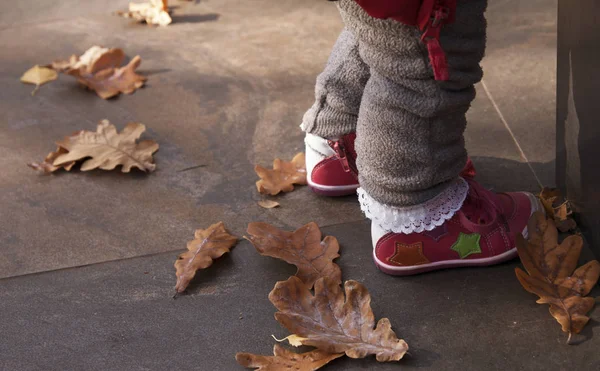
(578,112)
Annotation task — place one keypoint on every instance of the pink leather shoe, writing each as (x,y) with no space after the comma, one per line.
(482,232)
(331,165)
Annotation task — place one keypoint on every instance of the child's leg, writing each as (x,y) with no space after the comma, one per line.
(331,122)
(338,91)
(410,131)
(411,150)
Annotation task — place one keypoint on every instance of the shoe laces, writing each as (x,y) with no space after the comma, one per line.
(481,203)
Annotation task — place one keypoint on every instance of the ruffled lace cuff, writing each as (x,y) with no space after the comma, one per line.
(418,218)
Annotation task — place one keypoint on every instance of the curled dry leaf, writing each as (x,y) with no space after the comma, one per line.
(303,248)
(110,82)
(99,69)
(38,76)
(47,166)
(283,176)
(154,12)
(293,340)
(106,147)
(557,208)
(268,204)
(285,360)
(551,273)
(208,244)
(335,324)
(96,58)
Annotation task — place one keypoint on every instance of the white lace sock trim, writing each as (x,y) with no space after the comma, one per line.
(418,218)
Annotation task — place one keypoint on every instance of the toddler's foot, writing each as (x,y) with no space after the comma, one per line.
(331,165)
(482,232)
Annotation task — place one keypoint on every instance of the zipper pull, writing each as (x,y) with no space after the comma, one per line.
(341,152)
(437,57)
(431,38)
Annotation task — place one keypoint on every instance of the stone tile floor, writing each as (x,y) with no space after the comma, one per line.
(86,274)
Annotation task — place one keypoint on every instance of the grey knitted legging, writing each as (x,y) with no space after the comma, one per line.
(379,83)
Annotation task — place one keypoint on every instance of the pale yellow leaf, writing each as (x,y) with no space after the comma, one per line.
(38,76)
(268,204)
(293,340)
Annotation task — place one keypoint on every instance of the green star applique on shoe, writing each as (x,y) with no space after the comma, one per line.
(467,244)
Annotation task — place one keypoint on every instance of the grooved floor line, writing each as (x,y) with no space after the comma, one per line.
(505,122)
(96,263)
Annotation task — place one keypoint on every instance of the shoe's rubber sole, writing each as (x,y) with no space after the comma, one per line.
(416,269)
(333,191)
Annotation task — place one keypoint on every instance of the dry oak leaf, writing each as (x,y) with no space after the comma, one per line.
(110,82)
(286,360)
(303,248)
(38,76)
(108,149)
(154,12)
(207,245)
(552,274)
(47,166)
(548,197)
(557,208)
(95,59)
(333,324)
(283,176)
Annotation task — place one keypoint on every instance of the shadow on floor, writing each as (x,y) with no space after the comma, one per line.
(509,175)
(195,18)
(154,71)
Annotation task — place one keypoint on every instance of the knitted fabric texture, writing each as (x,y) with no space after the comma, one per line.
(409,127)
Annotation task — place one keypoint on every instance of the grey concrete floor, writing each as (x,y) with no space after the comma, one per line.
(86,274)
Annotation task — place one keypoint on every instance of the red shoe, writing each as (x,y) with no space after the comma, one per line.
(331,165)
(482,232)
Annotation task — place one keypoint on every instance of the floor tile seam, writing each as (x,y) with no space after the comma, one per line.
(510,131)
(91,264)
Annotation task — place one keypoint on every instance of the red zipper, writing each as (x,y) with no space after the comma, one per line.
(431,38)
(341,153)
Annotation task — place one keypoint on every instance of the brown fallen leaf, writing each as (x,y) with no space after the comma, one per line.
(551,273)
(333,324)
(303,248)
(548,197)
(99,69)
(566,225)
(208,244)
(268,204)
(283,176)
(285,360)
(47,166)
(110,82)
(107,149)
(155,12)
(557,208)
(95,59)
(38,76)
